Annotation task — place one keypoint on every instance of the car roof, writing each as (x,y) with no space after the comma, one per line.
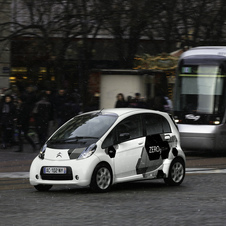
(122,111)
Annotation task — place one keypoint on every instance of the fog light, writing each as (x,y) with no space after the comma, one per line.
(76,177)
(36,176)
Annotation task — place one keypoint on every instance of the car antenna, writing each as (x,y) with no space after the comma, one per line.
(99,112)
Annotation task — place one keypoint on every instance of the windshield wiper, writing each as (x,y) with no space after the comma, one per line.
(87,137)
(72,139)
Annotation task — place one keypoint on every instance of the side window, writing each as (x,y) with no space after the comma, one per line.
(156,124)
(131,125)
(166,125)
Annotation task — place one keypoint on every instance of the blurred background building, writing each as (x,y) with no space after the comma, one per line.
(5,45)
(69,43)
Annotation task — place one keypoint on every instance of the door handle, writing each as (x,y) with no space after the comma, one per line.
(140,143)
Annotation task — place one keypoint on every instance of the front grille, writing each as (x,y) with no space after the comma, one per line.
(67,176)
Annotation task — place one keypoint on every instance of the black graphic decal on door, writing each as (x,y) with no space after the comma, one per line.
(156,149)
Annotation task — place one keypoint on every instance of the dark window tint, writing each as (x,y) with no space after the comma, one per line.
(166,125)
(131,125)
(156,124)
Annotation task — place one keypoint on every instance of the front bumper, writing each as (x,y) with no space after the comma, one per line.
(80,171)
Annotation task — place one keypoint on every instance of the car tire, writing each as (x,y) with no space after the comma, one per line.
(43,187)
(176,172)
(101,180)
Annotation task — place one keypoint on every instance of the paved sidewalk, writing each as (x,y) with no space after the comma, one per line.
(11,161)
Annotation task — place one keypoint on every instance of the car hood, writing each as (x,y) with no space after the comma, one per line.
(63,154)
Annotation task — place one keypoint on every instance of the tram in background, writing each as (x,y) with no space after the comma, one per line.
(200,98)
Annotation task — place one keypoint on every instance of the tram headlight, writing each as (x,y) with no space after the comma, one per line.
(216,122)
(177,120)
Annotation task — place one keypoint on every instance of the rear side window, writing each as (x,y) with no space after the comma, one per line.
(156,124)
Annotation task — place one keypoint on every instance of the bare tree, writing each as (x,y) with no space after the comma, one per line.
(54,25)
(190,23)
(201,22)
(126,22)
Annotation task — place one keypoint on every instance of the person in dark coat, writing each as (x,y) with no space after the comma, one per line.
(23,122)
(42,114)
(7,119)
(139,102)
(71,108)
(59,102)
(159,102)
(120,103)
(50,97)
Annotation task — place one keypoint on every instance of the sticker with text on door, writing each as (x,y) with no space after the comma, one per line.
(155,150)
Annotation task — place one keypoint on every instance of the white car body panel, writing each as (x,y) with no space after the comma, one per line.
(124,165)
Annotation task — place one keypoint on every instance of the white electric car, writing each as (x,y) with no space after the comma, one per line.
(102,148)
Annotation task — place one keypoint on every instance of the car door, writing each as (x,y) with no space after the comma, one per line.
(131,140)
(156,149)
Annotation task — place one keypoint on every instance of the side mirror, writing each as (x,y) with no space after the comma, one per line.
(124,137)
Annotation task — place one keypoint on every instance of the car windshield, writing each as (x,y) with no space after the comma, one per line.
(82,128)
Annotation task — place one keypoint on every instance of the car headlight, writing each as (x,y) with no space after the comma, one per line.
(42,152)
(88,152)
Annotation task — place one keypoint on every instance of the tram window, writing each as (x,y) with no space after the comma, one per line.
(200,86)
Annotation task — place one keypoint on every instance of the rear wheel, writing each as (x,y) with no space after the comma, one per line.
(176,172)
(102,178)
(43,187)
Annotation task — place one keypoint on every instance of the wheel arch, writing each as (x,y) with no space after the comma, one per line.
(110,167)
(168,163)
(93,183)
(181,158)
(104,163)
(177,173)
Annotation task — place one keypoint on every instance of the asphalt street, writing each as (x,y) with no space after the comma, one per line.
(201,199)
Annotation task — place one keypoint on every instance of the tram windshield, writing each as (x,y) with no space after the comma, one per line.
(200,87)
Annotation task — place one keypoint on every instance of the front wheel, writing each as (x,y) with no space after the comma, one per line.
(102,178)
(43,187)
(176,172)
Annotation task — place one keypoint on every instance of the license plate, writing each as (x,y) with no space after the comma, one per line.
(55,170)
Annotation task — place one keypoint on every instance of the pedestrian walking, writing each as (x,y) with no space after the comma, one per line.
(50,97)
(139,102)
(7,119)
(42,115)
(23,114)
(120,102)
(159,102)
(71,108)
(59,102)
